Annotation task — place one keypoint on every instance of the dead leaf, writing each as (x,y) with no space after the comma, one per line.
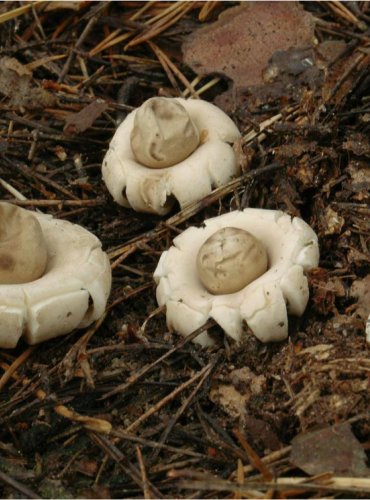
(241,42)
(332,449)
(261,431)
(360,290)
(17,84)
(330,50)
(81,121)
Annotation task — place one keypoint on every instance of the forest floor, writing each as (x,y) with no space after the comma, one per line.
(127,409)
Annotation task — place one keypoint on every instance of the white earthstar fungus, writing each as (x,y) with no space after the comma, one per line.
(170,149)
(71,292)
(264,303)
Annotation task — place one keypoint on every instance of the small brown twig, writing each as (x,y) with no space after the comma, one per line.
(145,369)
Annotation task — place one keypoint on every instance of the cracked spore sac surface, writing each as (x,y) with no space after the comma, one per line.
(230,259)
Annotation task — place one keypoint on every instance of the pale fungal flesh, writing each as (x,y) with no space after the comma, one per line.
(71,293)
(229,260)
(211,164)
(263,304)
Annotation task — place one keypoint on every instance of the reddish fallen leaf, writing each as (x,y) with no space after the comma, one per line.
(81,121)
(261,431)
(241,42)
(333,449)
(17,84)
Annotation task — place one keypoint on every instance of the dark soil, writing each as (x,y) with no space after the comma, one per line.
(173,420)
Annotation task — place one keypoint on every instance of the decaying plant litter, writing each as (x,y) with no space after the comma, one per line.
(126,408)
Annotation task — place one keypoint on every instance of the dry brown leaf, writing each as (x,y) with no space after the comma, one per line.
(81,121)
(332,449)
(16,83)
(241,42)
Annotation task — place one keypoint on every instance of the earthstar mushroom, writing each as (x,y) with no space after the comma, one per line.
(264,303)
(72,292)
(170,149)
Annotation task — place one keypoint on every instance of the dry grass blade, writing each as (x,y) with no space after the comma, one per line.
(161,26)
(166,13)
(198,480)
(11,189)
(155,445)
(342,11)
(206,10)
(340,484)
(17,486)
(268,459)
(253,457)
(192,209)
(166,67)
(144,476)
(43,61)
(91,423)
(304,151)
(143,371)
(120,459)
(162,57)
(194,480)
(183,408)
(57,203)
(109,42)
(77,354)
(154,409)
(6,376)
(19,11)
